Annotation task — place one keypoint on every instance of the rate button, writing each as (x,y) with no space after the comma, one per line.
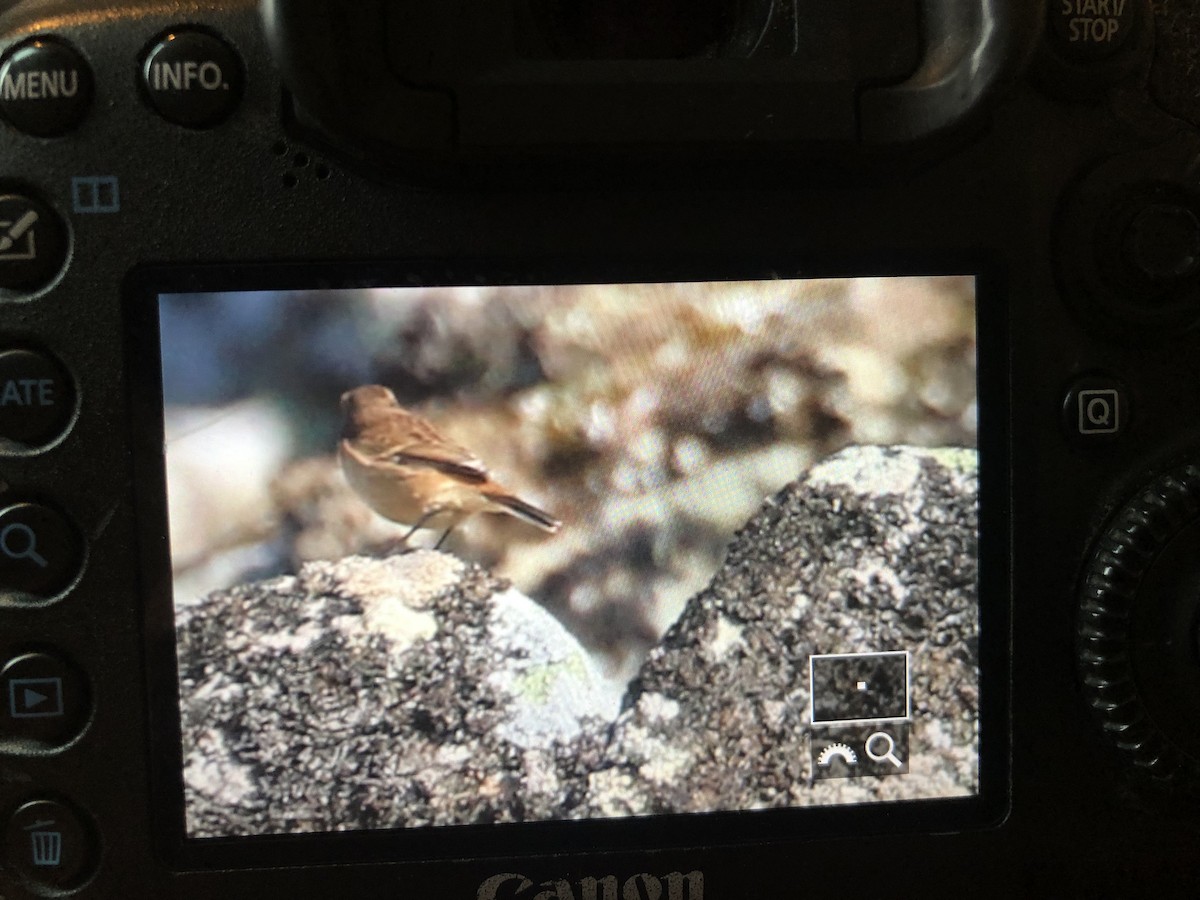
(36,397)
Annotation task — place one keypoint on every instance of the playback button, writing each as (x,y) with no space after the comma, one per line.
(42,699)
(40,551)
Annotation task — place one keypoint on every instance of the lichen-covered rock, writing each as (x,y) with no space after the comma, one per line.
(420,690)
(874,549)
(366,693)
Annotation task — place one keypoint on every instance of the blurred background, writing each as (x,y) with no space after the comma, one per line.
(652,419)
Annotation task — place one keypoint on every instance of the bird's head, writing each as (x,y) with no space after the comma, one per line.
(363,404)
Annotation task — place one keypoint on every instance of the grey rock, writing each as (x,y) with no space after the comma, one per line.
(412,690)
(418,689)
(873,550)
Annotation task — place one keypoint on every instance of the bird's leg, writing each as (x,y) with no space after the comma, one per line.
(420,522)
(445,534)
(400,545)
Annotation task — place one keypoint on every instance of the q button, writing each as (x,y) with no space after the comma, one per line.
(40,551)
(1096,410)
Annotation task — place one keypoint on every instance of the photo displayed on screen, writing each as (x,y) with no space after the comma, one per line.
(479,555)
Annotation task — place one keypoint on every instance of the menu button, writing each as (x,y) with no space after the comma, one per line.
(45,87)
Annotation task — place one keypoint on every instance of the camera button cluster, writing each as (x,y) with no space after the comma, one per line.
(40,551)
(48,845)
(33,243)
(192,78)
(45,87)
(43,699)
(37,397)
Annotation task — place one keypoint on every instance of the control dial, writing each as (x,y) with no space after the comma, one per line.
(1139,628)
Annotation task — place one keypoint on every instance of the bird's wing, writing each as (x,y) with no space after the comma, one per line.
(426,446)
(466,467)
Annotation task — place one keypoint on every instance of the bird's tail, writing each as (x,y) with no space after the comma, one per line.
(525,511)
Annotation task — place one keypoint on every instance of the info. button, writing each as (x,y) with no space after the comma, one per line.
(192,78)
(40,551)
(37,397)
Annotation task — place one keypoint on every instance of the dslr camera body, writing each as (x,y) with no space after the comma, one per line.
(626,254)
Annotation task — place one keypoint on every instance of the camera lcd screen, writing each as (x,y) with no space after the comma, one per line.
(446,555)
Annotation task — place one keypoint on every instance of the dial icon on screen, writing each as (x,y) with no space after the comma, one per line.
(837,751)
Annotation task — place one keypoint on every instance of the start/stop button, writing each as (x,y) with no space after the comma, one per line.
(192,78)
(1092,29)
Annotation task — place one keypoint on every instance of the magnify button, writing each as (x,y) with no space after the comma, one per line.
(10,547)
(40,551)
(881,747)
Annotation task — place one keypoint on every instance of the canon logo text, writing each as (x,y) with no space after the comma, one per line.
(643,886)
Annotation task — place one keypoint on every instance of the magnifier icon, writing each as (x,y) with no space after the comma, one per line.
(889,748)
(28,551)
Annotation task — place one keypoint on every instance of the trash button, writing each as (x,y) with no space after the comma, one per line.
(49,845)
